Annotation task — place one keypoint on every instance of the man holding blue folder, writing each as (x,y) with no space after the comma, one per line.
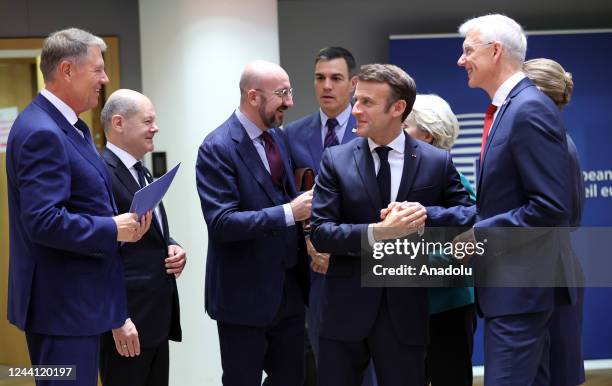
(137,353)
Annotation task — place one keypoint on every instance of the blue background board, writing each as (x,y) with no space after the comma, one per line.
(432,62)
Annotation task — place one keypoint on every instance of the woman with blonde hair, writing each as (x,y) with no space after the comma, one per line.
(566,361)
(452,319)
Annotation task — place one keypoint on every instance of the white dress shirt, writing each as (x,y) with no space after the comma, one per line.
(504,90)
(63,108)
(396,163)
(342,119)
(129,161)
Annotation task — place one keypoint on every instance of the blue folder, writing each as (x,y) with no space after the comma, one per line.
(147,198)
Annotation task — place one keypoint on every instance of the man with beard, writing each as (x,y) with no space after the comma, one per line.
(256,269)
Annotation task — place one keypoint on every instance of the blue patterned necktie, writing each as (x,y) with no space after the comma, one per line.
(330,138)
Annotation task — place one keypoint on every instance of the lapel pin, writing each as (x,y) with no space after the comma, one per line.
(413,156)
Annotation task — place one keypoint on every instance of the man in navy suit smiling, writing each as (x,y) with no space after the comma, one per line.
(65,273)
(256,269)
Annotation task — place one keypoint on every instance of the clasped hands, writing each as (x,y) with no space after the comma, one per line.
(400,219)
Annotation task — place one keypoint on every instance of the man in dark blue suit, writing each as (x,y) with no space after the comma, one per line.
(524,181)
(256,270)
(332,124)
(356,181)
(151,265)
(65,273)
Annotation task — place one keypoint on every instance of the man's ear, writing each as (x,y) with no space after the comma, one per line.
(117,123)
(65,69)
(398,108)
(252,97)
(353,83)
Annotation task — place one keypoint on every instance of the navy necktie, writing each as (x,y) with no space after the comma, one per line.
(274,159)
(141,174)
(83,128)
(330,138)
(384,175)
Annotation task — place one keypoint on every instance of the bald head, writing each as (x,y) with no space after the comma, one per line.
(257,73)
(128,118)
(265,93)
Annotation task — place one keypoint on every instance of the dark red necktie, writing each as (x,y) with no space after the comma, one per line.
(488,121)
(274,159)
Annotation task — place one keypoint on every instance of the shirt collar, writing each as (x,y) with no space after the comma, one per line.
(342,118)
(252,130)
(398,144)
(59,104)
(125,157)
(502,92)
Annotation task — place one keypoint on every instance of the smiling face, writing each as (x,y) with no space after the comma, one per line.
(275,97)
(374,119)
(477,59)
(333,86)
(86,77)
(139,129)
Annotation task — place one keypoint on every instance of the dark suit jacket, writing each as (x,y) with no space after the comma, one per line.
(249,244)
(152,296)
(346,200)
(305,143)
(523,208)
(65,272)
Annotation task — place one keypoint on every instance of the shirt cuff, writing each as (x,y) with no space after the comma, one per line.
(289,220)
(371,240)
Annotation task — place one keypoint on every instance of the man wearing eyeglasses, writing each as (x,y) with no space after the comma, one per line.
(256,269)
(522,183)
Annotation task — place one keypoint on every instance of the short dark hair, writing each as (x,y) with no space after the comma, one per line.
(329,53)
(402,85)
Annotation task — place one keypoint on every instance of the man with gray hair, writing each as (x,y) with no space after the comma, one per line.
(65,273)
(137,353)
(523,182)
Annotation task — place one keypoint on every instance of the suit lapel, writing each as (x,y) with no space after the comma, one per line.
(412,159)
(365,168)
(251,159)
(289,183)
(349,135)
(121,171)
(127,180)
(315,144)
(80,144)
(524,83)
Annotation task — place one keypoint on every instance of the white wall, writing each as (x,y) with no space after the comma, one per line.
(193,52)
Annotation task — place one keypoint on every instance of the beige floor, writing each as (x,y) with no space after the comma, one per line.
(593,378)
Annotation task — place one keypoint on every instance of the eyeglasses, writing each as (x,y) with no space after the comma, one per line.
(469,50)
(281,92)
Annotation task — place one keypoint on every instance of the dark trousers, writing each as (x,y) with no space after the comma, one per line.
(451,343)
(343,363)
(277,349)
(566,361)
(78,351)
(517,350)
(150,368)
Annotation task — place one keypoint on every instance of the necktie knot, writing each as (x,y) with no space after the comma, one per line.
(383,152)
(491,109)
(331,123)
